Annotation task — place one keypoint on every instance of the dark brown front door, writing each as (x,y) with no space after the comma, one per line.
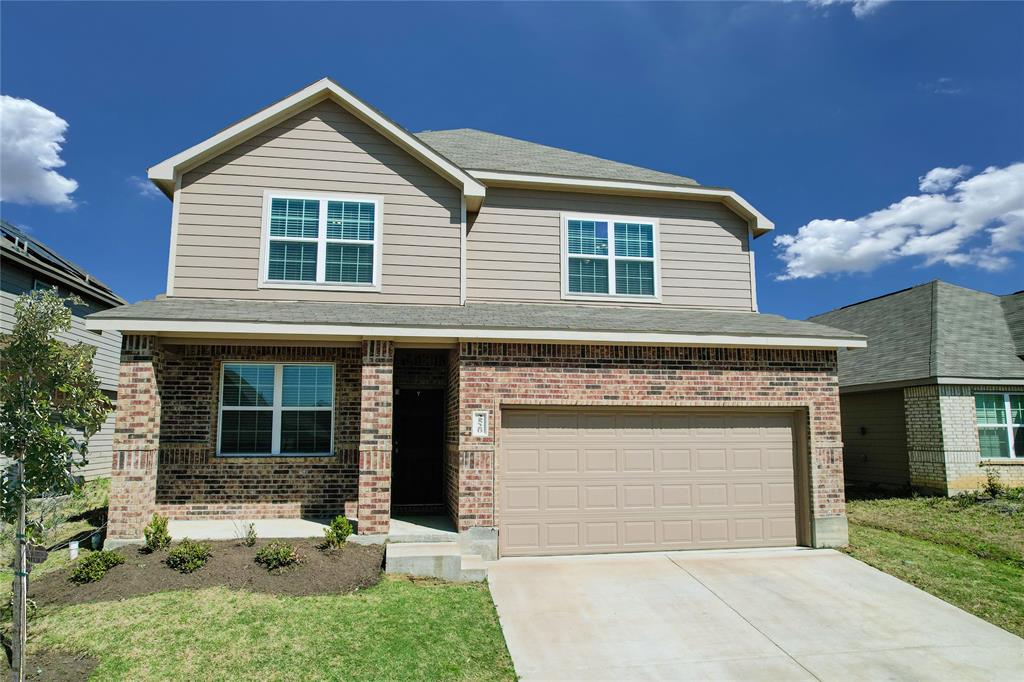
(417,463)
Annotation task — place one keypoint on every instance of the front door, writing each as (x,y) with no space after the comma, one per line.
(417,460)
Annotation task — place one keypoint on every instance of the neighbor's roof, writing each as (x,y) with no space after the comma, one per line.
(481,321)
(40,258)
(932,331)
(477,150)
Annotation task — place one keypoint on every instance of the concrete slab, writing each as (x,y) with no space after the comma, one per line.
(219,529)
(422,529)
(751,614)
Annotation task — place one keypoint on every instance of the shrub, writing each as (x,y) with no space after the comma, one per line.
(188,556)
(337,533)
(94,566)
(993,484)
(249,539)
(156,533)
(277,556)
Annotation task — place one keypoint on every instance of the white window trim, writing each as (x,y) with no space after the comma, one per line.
(321,241)
(277,408)
(611,257)
(1009,425)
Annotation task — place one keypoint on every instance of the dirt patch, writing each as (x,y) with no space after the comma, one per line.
(54,666)
(232,565)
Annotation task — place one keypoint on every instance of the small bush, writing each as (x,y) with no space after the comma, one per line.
(94,566)
(156,533)
(993,484)
(277,556)
(337,533)
(249,539)
(188,556)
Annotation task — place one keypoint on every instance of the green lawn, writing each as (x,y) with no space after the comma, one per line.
(969,554)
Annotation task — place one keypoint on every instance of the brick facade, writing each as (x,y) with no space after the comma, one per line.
(493,375)
(376,401)
(942,439)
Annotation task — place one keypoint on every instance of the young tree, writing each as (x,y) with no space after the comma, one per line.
(50,404)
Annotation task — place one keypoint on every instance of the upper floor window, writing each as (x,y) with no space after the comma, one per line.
(606,256)
(1000,424)
(321,241)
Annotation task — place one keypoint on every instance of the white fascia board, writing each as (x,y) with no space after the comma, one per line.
(463,334)
(759,224)
(164,173)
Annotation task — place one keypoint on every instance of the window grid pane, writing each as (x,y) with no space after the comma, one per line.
(1017,409)
(350,220)
(306,385)
(248,432)
(634,239)
(634,278)
(248,385)
(588,237)
(295,218)
(994,442)
(349,263)
(305,432)
(292,262)
(991,408)
(588,276)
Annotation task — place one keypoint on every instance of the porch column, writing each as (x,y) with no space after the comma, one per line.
(375,416)
(136,440)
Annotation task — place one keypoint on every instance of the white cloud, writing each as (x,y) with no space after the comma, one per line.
(860,8)
(977,221)
(30,146)
(144,187)
(940,179)
(942,86)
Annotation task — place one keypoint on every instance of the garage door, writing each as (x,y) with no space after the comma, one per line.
(583,482)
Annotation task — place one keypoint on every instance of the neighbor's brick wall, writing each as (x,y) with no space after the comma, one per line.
(496,374)
(926,457)
(375,428)
(133,474)
(193,482)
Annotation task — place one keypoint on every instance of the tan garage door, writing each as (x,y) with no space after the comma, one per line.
(584,482)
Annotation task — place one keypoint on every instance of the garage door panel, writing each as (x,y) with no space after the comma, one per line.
(632,481)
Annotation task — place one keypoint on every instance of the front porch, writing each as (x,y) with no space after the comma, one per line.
(212,451)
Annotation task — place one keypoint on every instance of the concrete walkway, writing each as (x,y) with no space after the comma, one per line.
(744,615)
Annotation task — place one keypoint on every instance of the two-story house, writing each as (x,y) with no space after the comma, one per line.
(27,264)
(551,348)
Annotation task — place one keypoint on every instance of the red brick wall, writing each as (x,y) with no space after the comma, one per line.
(376,400)
(496,374)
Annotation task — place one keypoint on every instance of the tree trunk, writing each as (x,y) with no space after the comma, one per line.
(18,637)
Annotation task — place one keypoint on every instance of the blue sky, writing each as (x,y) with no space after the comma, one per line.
(812,112)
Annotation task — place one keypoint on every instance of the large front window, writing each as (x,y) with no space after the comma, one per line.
(276,409)
(610,256)
(1000,424)
(331,241)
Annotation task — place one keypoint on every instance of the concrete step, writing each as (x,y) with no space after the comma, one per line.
(434,560)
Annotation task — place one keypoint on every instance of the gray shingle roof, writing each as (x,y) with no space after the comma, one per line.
(479,150)
(928,331)
(561,317)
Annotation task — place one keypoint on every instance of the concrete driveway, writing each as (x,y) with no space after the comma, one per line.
(744,615)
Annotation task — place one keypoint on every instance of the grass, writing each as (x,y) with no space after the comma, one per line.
(399,629)
(968,552)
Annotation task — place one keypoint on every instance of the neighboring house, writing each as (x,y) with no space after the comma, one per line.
(26,264)
(557,349)
(936,400)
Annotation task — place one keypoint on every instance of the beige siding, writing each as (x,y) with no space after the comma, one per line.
(514,247)
(875,438)
(323,149)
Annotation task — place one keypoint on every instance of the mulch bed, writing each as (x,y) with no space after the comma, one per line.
(53,666)
(232,565)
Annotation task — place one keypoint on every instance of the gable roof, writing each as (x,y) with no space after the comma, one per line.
(38,257)
(166,173)
(933,331)
(479,150)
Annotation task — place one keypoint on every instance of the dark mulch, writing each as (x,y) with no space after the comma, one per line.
(232,565)
(54,666)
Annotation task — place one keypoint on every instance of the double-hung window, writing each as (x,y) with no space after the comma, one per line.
(607,256)
(1000,424)
(330,241)
(276,409)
